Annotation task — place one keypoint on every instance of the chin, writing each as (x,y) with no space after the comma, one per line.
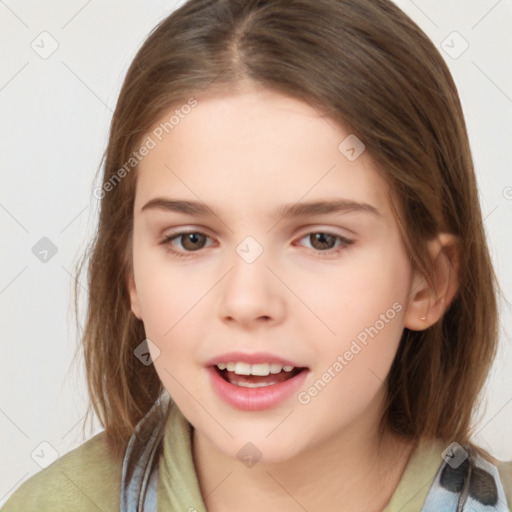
(255,447)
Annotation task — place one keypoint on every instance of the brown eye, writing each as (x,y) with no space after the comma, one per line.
(193,241)
(322,241)
(325,244)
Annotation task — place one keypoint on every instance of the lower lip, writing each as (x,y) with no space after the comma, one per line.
(255,399)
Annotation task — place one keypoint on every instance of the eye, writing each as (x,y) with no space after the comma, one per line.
(191,241)
(322,242)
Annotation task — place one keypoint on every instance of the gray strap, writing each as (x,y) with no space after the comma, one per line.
(466,482)
(140,465)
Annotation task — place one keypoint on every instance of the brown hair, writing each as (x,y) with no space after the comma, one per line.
(367,65)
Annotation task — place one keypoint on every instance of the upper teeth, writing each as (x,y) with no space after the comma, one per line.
(261,369)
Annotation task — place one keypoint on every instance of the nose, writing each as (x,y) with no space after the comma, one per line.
(251,294)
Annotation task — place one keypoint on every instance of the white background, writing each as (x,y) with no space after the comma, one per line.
(55,114)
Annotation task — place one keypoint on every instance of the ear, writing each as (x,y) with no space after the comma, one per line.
(426,304)
(134,296)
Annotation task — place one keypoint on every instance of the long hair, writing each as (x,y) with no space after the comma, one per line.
(367,65)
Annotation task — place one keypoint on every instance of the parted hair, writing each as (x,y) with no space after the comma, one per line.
(367,65)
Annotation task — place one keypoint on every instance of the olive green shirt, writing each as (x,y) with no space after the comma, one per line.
(87,479)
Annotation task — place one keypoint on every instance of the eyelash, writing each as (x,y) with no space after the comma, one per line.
(190,254)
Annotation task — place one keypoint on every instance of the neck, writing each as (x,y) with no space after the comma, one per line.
(343,470)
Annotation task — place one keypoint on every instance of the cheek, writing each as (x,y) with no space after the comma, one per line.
(353,364)
(170,303)
(364,308)
(355,295)
(174,301)
(166,291)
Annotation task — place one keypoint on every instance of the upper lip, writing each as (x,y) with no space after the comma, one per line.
(255,358)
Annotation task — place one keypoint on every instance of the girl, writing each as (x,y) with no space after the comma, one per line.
(291,300)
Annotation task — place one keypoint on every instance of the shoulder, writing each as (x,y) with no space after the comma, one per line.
(84,479)
(423,467)
(505,472)
(480,479)
(504,468)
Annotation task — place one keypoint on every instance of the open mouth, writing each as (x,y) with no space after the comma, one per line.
(255,386)
(256,381)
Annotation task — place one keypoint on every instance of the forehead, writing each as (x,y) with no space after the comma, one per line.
(255,149)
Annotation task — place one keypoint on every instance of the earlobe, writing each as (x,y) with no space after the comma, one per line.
(427,304)
(134,296)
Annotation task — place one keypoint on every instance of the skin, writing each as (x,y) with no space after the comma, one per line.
(244,155)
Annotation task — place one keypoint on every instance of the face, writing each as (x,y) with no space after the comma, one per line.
(322,289)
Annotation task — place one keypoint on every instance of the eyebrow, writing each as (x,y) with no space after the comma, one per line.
(299,209)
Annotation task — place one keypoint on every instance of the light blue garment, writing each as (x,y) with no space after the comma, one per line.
(464,482)
(467,482)
(140,465)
